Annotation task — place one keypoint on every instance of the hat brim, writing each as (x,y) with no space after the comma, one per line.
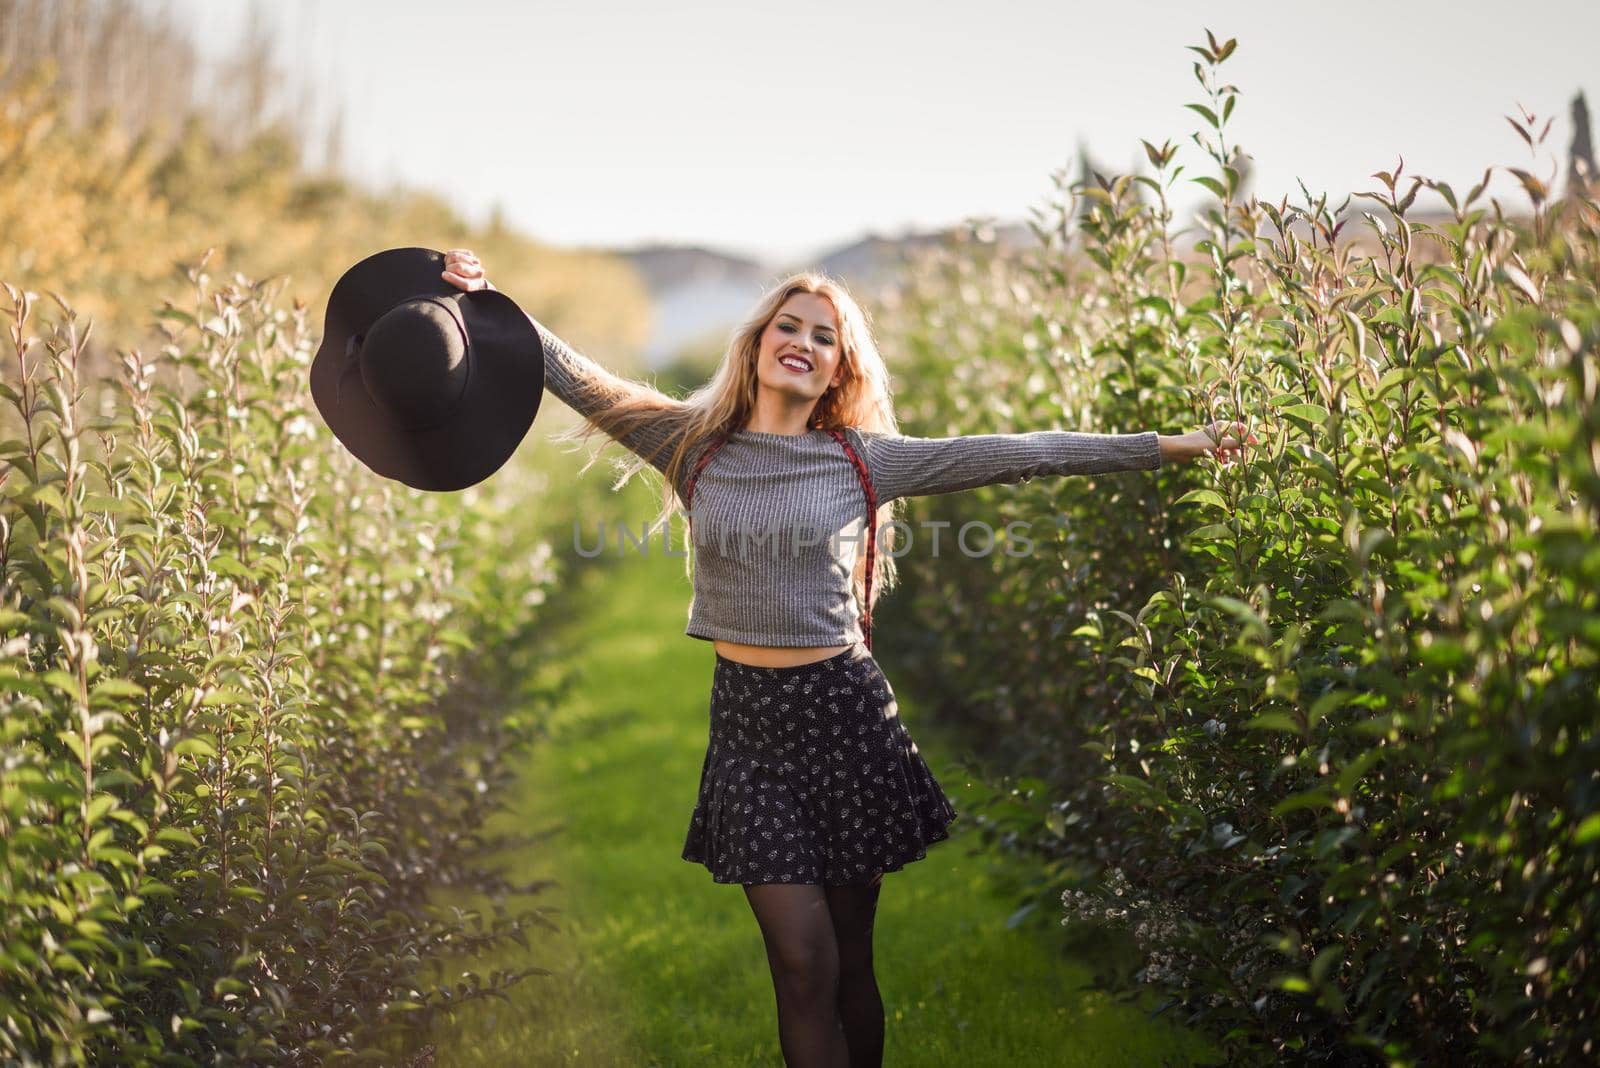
(504,387)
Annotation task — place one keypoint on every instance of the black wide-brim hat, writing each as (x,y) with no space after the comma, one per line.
(424,382)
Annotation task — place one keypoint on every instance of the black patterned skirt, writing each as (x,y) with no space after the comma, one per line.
(811,777)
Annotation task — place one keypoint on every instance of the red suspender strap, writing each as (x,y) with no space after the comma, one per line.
(872,529)
(872,513)
(705,458)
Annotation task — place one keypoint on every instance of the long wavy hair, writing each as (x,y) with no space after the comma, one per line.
(862,399)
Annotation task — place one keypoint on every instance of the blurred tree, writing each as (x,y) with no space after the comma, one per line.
(1580,169)
(1090,174)
(110,177)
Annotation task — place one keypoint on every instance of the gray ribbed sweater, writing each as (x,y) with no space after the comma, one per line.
(779,519)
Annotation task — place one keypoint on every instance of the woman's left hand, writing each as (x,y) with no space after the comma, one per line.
(1223,438)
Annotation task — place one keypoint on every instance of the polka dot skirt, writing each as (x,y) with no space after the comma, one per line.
(810,777)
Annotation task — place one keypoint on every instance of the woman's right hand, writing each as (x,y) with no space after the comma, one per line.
(1221,439)
(462,270)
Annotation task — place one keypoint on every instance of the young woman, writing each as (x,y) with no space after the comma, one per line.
(811,788)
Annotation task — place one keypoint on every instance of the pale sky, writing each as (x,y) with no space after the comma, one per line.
(780,130)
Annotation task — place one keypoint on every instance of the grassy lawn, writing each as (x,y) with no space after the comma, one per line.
(660,966)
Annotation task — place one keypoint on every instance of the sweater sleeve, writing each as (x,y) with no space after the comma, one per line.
(912,467)
(585,387)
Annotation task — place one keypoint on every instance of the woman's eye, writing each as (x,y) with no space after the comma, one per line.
(788,328)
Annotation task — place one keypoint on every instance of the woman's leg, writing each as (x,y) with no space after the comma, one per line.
(804,958)
(860,1006)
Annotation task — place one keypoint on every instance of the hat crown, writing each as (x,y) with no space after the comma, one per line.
(415,361)
(420,381)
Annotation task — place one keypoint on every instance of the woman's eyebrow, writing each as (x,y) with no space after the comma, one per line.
(796,318)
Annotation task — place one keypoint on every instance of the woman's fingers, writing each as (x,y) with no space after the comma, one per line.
(463,264)
(471,285)
(1233,435)
(1223,439)
(462,270)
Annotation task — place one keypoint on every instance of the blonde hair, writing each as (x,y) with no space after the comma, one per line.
(862,399)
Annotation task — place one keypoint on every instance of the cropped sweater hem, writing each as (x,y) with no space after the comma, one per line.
(708,632)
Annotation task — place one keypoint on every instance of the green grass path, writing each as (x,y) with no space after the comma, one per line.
(659,966)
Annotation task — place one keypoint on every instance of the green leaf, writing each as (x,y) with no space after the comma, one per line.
(1240,611)
(227,695)
(1318,797)
(113,687)
(106,504)
(232,567)
(62,682)
(1212,531)
(12,681)
(1328,702)
(177,836)
(195,745)
(1352,772)
(114,855)
(1204,497)
(99,805)
(409,1006)
(72,741)
(49,497)
(1315,413)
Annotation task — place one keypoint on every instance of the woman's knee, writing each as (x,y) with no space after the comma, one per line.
(807,968)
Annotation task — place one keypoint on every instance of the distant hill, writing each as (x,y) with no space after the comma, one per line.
(872,262)
(698,292)
(665,267)
(694,292)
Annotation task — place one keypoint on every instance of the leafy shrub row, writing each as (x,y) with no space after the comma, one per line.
(250,704)
(1318,730)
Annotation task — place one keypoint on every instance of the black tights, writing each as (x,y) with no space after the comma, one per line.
(819,946)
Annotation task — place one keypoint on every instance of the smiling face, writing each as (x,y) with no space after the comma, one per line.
(800,353)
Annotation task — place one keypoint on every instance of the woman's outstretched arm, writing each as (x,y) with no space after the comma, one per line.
(914,467)
(910,467)
(587,388)
(583,385)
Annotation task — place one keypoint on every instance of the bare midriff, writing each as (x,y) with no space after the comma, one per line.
(776,655)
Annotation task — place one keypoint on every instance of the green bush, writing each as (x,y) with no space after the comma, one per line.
(1318,729)
(251,704)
